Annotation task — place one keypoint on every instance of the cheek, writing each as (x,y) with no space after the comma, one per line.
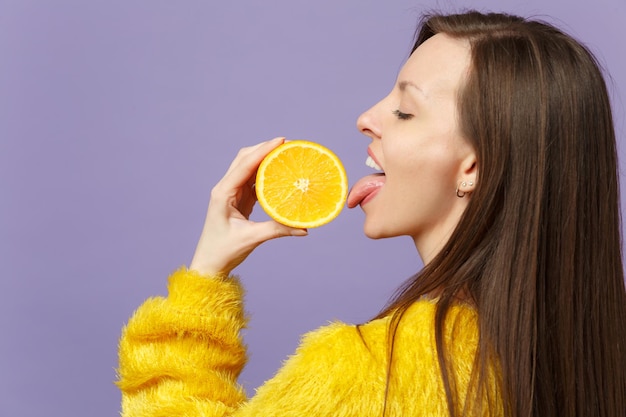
(433,164)
(422,188)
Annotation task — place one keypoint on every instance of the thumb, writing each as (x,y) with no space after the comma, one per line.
(272,229)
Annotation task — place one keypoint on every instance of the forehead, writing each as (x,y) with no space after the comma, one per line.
(438,66)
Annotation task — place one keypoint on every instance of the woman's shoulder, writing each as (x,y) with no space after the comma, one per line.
(360,355)
(418,322)
(459,323)
(416,329)
(415,369)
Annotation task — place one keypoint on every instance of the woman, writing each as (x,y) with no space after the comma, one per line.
(498,152)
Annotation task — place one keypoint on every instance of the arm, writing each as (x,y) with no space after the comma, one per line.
(181,355)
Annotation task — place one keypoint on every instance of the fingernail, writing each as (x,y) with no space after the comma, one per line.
(299,232)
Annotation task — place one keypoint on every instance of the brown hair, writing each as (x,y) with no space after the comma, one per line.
(538,249)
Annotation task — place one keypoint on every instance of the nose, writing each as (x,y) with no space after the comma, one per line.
(369,124)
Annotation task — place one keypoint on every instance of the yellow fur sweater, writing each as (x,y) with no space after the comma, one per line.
(181,356)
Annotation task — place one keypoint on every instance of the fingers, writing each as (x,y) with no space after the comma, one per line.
(234,190)
(247,201)
(244,166)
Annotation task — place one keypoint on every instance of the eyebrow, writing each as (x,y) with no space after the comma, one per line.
(402,85)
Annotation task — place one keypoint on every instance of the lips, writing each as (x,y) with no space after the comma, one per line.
(367,187)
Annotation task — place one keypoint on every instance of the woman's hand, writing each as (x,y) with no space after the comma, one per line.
(228,236)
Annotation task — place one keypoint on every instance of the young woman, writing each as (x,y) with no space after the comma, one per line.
(498,152)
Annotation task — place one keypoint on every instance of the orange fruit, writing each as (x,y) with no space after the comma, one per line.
(301,184)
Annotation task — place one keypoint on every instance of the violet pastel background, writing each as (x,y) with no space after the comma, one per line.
(117,116)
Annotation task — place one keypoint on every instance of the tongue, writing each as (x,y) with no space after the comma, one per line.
(364,187)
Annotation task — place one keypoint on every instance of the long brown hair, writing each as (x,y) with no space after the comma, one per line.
(538,249)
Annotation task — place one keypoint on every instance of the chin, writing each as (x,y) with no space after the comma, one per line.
(375,231)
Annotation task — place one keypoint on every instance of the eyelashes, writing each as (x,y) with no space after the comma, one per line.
(402,116)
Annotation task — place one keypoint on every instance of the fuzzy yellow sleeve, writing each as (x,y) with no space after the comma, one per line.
(181,355)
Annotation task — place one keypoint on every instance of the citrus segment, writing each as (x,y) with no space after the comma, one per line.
(301,184)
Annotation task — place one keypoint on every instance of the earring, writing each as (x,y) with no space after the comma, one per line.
(460,193)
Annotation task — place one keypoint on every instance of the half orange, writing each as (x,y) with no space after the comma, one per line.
(302,184)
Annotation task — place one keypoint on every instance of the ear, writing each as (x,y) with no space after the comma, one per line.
(468,174)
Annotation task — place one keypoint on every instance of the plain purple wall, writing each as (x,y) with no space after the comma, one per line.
(117,116)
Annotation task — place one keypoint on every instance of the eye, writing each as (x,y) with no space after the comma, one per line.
(402,116)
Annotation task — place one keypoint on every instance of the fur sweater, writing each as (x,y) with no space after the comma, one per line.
(181,356)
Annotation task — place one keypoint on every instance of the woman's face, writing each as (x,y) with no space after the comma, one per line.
(416,142)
